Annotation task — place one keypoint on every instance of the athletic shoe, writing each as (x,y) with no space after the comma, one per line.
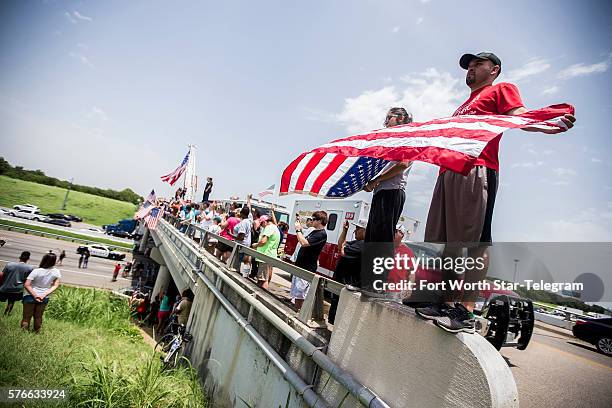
(415,304)
(458,319)
(433,311)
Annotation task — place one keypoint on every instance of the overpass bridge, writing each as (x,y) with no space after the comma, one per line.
(251,349)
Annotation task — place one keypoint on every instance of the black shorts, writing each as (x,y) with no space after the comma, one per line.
(11,296)
(223,247)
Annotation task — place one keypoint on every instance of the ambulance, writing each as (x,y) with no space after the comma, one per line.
(337,211)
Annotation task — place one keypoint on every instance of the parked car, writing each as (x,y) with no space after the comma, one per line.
(74,218)
(595,331)
(28,214)
(102,251)
(29,207)
(58,216)
(58,221)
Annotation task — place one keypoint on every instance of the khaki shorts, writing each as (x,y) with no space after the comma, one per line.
(462,207)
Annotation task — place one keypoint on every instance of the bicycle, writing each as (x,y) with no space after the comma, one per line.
(170,346)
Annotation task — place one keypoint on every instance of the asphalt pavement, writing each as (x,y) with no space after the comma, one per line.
(98,273)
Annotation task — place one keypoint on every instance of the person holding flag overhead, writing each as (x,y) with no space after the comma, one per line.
(461,209)
(386,208)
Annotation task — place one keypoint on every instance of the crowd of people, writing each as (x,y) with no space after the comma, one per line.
(163,312)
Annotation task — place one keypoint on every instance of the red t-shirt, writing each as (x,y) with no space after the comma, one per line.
(491,100)
(231,223)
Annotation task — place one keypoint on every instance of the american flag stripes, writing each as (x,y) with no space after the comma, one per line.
(267,191)
(178,172)
(154,217)
(151,197)
(343,167)
(144,210)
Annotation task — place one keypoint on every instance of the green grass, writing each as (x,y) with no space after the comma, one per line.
(67,234)
(89,347)
(93,209)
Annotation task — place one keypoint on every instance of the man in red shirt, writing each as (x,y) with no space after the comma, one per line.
(461,208)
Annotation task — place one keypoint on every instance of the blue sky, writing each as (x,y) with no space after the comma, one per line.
(111,93)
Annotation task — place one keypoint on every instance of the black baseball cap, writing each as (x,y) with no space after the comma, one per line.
(465,59)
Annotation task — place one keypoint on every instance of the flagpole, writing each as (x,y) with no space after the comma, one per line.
(189,176)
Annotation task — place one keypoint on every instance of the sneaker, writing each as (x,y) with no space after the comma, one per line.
(433,311)
(458,319)
(415,304)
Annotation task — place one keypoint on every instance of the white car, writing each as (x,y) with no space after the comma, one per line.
(27,207)
(102,251)
(28,215)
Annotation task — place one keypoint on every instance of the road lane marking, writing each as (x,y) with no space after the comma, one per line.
(575,356)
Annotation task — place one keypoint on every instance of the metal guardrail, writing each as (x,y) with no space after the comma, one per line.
(311,312)
(58,236)
(189,256)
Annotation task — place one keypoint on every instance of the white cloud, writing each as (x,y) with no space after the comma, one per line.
(596,160)
(425,1)
(81,17)
(419,20)
(561,183)
(427,95)
(84,60)
(97,113)
(69,17)
(395,29)
(581,69)
(528,165)
(549,152)
(551,90)
(561,172)
(531,68)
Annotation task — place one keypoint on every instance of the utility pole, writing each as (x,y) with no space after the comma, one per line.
(516,261)
(66,197)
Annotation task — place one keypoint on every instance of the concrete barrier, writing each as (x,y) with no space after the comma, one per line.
(244,359)
(554,320)
(409,362)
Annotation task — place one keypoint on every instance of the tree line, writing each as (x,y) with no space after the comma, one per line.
(38,176)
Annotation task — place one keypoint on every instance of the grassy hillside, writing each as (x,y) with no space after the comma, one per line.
(93,209)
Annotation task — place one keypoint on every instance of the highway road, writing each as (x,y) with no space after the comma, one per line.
(554,371)
(77,228)
(559,371)
(98,273)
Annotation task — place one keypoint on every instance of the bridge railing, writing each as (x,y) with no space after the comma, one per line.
(311,312)
(190,255)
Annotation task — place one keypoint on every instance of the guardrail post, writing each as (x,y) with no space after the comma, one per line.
(311,313)
(233,261)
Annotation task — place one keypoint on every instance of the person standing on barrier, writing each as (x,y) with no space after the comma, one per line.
(207,189)
(269,240)
(308,257)
(12,279)
(461,210)
(386,208)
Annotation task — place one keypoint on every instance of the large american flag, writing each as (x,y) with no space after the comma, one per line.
(153,217)
(178,172)
(343,167)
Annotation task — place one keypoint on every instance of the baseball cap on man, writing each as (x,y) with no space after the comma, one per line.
(360,223)
(465,59)
(264,218)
